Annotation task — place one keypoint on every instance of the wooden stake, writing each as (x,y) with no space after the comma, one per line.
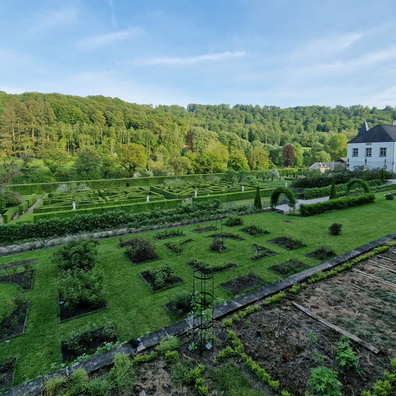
(351,336)
(382,266)
(391,284)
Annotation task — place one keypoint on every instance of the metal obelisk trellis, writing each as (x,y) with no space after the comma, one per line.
(203,295)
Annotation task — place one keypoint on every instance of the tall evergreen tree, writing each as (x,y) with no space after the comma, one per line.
(257,200)
(333,191)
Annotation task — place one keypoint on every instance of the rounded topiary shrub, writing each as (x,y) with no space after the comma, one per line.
(140,250)
(233,221)
(335,229)
(217,245)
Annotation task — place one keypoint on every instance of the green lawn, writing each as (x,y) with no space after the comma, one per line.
(135,310)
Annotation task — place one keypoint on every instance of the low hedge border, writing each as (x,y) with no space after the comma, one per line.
(335,204)
(81,222)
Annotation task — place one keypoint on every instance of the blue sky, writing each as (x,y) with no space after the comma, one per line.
(266,52)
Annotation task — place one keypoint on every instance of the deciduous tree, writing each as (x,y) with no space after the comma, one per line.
(132,156)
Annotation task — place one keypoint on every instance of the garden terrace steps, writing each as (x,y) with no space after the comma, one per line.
(96,362)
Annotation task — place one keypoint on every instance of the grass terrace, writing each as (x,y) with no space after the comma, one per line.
(134,308)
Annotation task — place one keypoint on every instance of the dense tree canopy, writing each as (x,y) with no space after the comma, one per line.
(172,139)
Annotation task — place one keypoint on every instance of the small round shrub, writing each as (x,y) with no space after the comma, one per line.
(141,249)
(335,229)
(389,196)
(217,245)
(233,221)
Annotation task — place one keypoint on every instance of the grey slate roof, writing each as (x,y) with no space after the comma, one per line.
(377,134)
(363,128)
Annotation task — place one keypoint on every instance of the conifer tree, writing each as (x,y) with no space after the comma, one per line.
(333,191)
(257,200)
(383,180)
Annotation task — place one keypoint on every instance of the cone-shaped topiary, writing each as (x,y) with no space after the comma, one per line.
(257,200)
(333,191)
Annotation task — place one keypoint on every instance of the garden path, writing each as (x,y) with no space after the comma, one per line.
(30,210)
(286,207)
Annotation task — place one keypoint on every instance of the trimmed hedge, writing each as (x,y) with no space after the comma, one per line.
(236,196)
(57,227)
(317,192)
(32,188)
(335,204)
(275,194)
(133,207)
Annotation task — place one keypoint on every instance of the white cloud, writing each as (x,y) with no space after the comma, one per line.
(109,38)
(376,58)
(328,46)
(112,16)
(189,60)
(48,20)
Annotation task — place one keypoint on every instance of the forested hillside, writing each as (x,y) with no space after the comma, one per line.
(99,137)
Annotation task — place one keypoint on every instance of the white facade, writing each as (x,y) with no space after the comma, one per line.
(372,155)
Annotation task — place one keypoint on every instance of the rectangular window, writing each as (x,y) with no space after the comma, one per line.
(368,151)
(355,152)
(382,151)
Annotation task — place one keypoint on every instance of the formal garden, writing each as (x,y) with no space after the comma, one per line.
(91,294)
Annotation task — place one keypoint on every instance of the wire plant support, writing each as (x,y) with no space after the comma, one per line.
(203,301)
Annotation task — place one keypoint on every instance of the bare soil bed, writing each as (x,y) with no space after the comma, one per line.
(287,243)
(246,282)
(14,324)
(288,343)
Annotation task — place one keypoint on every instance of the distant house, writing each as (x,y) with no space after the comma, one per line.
(373,148)
(329,166)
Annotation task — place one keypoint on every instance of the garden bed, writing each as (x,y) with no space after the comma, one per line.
(254,230)
(226,235)
(239,285)
(7,373)
(205,229)
(22,279)
(17,264)
(67,314)
(180,304)
(287,243)
(289,267)
(262,251)
(14,324)
(130,258)
(210,269)
(86,343)
(322,253)
(165,283)
(177,247)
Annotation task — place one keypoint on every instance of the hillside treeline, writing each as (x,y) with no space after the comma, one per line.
(107,137)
